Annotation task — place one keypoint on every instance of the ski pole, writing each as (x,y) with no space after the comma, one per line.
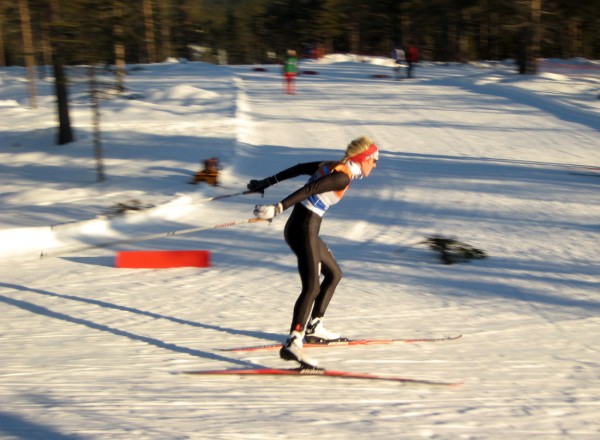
(226,196)
(208,199)
(58,252)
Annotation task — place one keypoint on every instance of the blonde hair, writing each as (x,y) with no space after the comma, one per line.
(357,146)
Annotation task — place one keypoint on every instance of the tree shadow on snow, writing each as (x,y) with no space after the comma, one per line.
(33,308)
(17,427)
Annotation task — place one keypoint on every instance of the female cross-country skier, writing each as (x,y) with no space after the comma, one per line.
(326,186)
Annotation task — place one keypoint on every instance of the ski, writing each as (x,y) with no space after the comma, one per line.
(319,372)
(63,251)
(344,343)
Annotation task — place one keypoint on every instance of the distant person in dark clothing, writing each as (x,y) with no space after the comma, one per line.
(399,57)
(412,57)
(209,174)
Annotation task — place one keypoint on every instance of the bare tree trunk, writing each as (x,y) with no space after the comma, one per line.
(405,28)
(536,37)
(464,49)
(355,40)
(328,44)
(523,50)
(165,32)
(119,45)
(28,51)
(98,154)
(65,132)
(355,28)
(494,36)
(450,34)
(46,48)
(575,41)
(2,46)
(149,26)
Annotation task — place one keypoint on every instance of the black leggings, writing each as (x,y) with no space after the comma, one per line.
(302,235)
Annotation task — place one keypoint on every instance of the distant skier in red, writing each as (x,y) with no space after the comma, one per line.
(290,70)
(412,57)
(326,187)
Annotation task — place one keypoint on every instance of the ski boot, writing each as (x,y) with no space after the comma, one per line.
(316,333)
(292,351)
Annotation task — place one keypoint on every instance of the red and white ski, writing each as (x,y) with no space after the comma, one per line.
(320,373)
(345,343)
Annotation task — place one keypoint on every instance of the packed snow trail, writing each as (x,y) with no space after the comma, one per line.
(94,352)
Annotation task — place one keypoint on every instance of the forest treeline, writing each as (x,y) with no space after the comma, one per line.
(256,31)
(114,33)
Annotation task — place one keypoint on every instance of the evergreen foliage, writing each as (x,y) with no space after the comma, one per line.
(250,30)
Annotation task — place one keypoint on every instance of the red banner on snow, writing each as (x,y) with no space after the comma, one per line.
(162,259)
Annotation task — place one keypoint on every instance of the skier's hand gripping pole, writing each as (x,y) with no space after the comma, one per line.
(267,212)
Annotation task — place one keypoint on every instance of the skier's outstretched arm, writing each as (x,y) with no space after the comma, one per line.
(297,170)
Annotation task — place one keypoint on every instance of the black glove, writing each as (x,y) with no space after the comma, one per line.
(259,185)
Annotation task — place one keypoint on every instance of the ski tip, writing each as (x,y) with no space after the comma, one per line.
(449,337)
(305,368)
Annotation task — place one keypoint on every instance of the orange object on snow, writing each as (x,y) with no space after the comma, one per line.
(162,259)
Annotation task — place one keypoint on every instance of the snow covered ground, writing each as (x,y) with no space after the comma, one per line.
(503,162)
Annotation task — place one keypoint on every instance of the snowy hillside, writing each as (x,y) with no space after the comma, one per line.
(506,163)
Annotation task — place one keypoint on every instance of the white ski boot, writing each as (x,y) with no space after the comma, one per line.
(316,333)
(292,351)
